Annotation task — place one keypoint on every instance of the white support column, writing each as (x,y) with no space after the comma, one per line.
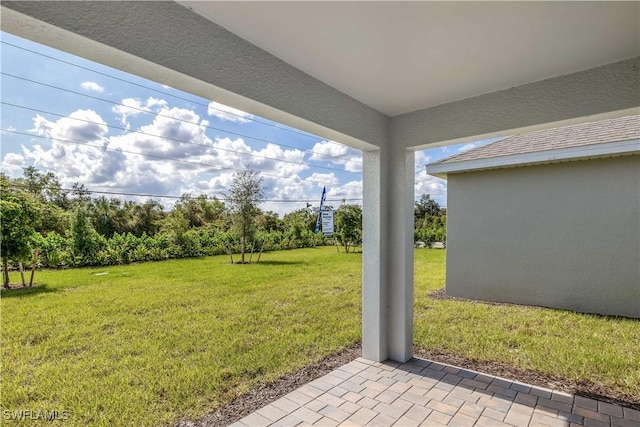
(374,269)
(400,254)
(387,268)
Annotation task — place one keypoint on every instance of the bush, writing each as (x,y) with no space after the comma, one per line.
(85,247)
(53,249)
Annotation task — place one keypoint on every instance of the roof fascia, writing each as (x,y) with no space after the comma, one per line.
(592,151)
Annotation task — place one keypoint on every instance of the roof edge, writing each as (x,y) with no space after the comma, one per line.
(593,151)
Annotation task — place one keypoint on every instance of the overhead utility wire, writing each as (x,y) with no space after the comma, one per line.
(173,118)
(170,94)
(155,156)
(172,139)
(164,196)
(288,129)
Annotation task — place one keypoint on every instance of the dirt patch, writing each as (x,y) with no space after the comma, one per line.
(15,286)
(264,394)
(441,294)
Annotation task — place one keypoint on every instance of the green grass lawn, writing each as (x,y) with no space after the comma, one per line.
(604,350)
(151,343)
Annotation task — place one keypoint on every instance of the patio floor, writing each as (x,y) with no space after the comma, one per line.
(425,393)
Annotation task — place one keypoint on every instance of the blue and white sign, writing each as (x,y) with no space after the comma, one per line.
(326,217)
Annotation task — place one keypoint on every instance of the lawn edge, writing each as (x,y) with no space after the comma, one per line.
(583,388)
(265,393)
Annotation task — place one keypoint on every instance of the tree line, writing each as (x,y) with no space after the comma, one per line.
(72,229)
(430,222)
(69,228)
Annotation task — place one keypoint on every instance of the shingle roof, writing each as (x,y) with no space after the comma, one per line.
(611,130)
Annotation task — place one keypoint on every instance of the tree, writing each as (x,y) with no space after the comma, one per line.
(82,196)
(201,210)
(298,224)
(147,218)
(42,187)
(85,241)
(174,227)
(244,198)
(429,221)
(425,208)
(348,222)
(104,212)
(270,221)
(18,214)
(48,198)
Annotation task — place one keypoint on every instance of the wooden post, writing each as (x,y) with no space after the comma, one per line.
(5,273)
(260,254)
(33,266)
(230,253)
(21,268)
(253,245)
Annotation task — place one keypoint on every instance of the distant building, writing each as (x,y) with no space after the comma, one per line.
(549,218)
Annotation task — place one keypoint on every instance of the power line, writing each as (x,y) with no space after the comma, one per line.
(97,98)
(154,156)
(288,129)
(181,141)
(165,196)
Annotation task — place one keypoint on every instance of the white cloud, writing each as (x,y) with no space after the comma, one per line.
(104,162)
(216,185)
(427,184)
(351,191)
(8,130)
(467,147)
(236,154)
(276,189)
(92,86)
(80,158)
(80,126)
(338,154)
(435,187)
(226,113)
(421,160)
(327,179)
(177,133)
(12,164)
(131,107)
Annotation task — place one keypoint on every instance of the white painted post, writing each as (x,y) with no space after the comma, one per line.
(387,267)
(400,254)
(374,292)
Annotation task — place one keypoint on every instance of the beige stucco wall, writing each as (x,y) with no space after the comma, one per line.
(561,235)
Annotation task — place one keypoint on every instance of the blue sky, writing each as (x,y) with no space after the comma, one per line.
(113,131)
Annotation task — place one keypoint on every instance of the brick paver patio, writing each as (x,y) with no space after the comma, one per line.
(425,393)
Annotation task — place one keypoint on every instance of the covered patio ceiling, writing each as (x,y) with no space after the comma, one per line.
(399,57)
(386,77)
(415,73)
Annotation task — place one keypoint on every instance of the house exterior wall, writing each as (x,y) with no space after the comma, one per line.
(563,235)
